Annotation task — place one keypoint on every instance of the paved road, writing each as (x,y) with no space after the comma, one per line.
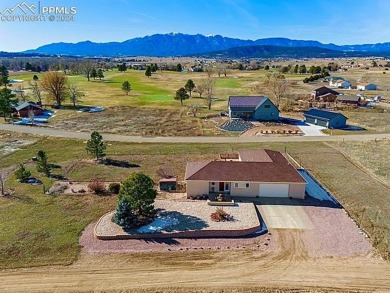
(46,131)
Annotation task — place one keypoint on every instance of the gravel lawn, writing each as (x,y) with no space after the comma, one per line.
(334,234)
(189,216)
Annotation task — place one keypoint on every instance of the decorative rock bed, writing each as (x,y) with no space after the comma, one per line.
(184,219)
(238,125)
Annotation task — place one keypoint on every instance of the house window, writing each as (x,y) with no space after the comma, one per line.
(241,185)
(212,183)
(267,106)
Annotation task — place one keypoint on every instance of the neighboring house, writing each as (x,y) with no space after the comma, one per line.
(329,97)
(366,87)
(349,100)
(333,78)
(22,109)
(255,173)
(325,118)
(253,107)
(341,84)
(316,93)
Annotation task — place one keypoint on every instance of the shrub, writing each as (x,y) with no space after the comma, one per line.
(114,188)
(97,186)
(22,173)
(220,216)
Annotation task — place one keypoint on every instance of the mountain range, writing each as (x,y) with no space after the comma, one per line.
(177,44)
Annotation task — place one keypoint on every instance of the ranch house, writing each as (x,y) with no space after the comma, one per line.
(249,173)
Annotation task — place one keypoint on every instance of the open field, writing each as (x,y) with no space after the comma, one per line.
(372,156)
(150,109)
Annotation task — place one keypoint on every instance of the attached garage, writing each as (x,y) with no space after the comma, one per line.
(273,190)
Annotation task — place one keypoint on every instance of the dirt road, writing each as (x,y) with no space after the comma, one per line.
(289,266)
(177,139)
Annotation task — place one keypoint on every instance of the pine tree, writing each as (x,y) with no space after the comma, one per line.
(42,164)
(148,71)
(124,215)
(181,94)
(96,146)
(126,87)
(139,190)
(93,73)
(190,85)
(100,73)
(22,173)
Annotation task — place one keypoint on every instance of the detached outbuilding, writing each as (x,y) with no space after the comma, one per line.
(366,87)
(168,184)
(325,118)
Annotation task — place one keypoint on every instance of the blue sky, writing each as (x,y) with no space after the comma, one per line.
(339,22)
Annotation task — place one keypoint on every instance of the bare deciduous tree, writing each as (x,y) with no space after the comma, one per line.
(87,67)
(193,109)
(221,69)
(74,93)
(200,88)
(36,90)
(54,83)
(209,69)
(277,85)
(210,88)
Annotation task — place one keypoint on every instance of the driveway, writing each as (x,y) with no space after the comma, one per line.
(281,216)
(310,129)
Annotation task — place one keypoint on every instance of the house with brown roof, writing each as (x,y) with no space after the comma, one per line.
(251,173)
(317,93)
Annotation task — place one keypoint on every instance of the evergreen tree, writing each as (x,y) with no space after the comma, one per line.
(93,73)
(266,67)
(96,146)
(126,87)
(42,164)
(148,71)
(124,215)
(139,190)
(181,94)
(122,67)
(179,67)
(4,75)
(302,69)
(100,73)
(7,101)
(190,85)
(22,173)
(296,68)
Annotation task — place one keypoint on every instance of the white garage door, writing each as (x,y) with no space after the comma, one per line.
(273,190)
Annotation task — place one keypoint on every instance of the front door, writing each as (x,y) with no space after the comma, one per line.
(221,186)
